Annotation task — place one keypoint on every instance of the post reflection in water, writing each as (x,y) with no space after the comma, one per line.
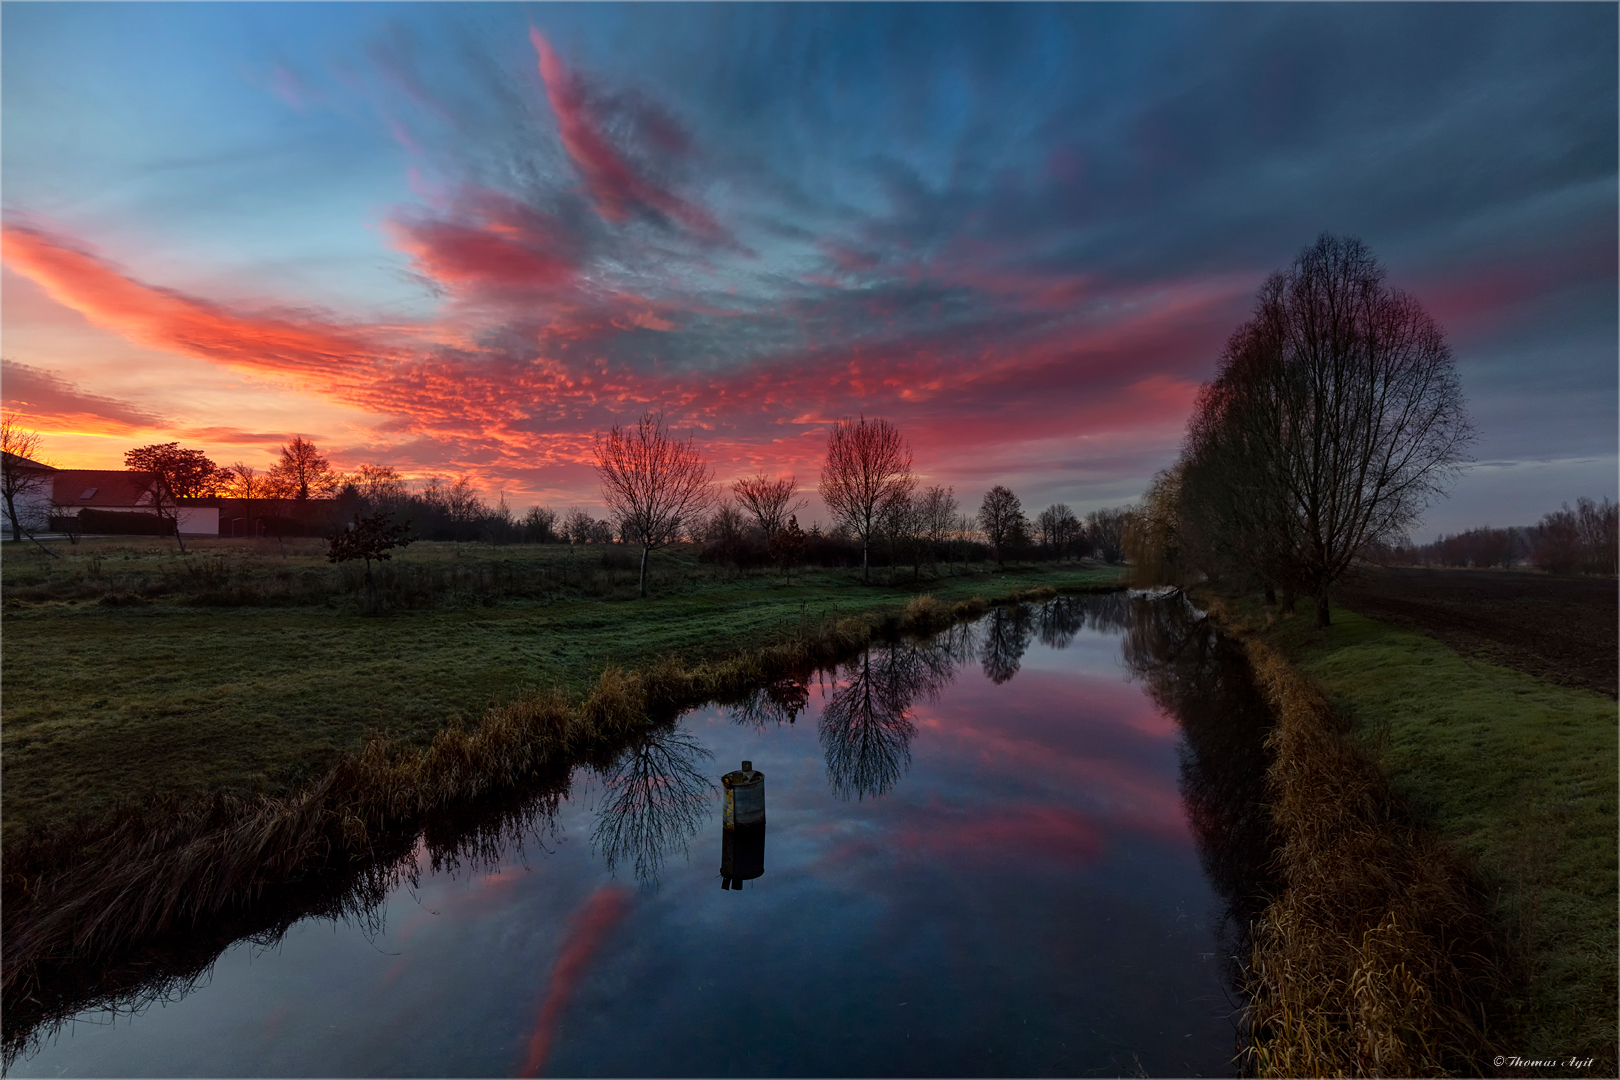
(742,855)
(655,800)
(953,936)
(865,732)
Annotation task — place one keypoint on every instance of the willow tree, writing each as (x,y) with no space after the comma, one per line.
(1335,417)
(867,474)
(654,485)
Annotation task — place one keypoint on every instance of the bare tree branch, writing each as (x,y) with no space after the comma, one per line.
(868,470)
(654,485)
(21,473)
(769,501)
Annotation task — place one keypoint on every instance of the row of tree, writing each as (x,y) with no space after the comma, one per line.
(659,491)
(1582,540)
(1335,416)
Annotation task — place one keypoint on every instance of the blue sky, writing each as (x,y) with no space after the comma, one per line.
(1022,233)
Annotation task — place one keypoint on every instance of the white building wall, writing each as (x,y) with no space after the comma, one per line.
(33,508)
(199,520)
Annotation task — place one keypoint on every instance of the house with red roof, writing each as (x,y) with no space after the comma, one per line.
(90,495)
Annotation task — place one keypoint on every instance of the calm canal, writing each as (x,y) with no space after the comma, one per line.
(1025,847)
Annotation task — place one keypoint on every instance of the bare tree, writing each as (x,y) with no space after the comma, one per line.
(247,484)
(1058,528)
(303,471)
(462,505)
(1234,514)
(902,526)
(1584,538)
(21,473)
(868,469)
(380,486)
(726,530)
(540,525)
(1346,401)
(1106,529)
(1002,519)
(787,547)
(173,469)
(936,512)
(577,526)
(653,484)
(1598,524)
(769,501)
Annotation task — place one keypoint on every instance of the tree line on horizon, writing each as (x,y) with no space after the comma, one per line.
(1584,539)
(659,492)
(881,515)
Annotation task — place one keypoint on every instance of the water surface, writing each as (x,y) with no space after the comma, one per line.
(1019,848)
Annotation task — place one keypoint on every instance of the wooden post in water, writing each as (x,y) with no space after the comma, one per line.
(742,854)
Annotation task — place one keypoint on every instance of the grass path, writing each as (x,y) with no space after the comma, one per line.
(1517,774)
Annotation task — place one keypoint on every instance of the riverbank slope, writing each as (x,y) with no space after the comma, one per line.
(1513,774)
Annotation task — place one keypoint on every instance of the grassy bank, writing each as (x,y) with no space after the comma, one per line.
(132,674)
(1515,779)
(87,899)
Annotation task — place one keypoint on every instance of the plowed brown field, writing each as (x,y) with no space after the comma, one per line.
(1562,629)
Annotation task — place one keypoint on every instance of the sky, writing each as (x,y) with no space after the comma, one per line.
(463,239)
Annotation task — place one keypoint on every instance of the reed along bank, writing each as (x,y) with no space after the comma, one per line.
(85,894)
(1446,850)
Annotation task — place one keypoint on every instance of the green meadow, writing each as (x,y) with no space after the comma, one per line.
(131,671)
(1516,774)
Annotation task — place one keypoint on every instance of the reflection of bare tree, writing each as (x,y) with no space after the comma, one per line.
(777,703)
(1007,632)
(656,799)
(1057,621)
(864,729)
(1111,613)
(1203,680)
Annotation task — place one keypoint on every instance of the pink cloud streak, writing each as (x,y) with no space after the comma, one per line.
(600,911)
(615,186)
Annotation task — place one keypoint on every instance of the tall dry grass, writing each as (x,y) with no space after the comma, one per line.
(89,892)
(1376,958)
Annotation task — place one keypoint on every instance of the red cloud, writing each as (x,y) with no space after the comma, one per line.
(595,917)
(495,243)
(614,185)
(52,402)
(532,400)
(321,353)
(1485,295)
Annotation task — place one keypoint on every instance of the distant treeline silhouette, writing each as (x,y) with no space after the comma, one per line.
(1583,540)
(881,515)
